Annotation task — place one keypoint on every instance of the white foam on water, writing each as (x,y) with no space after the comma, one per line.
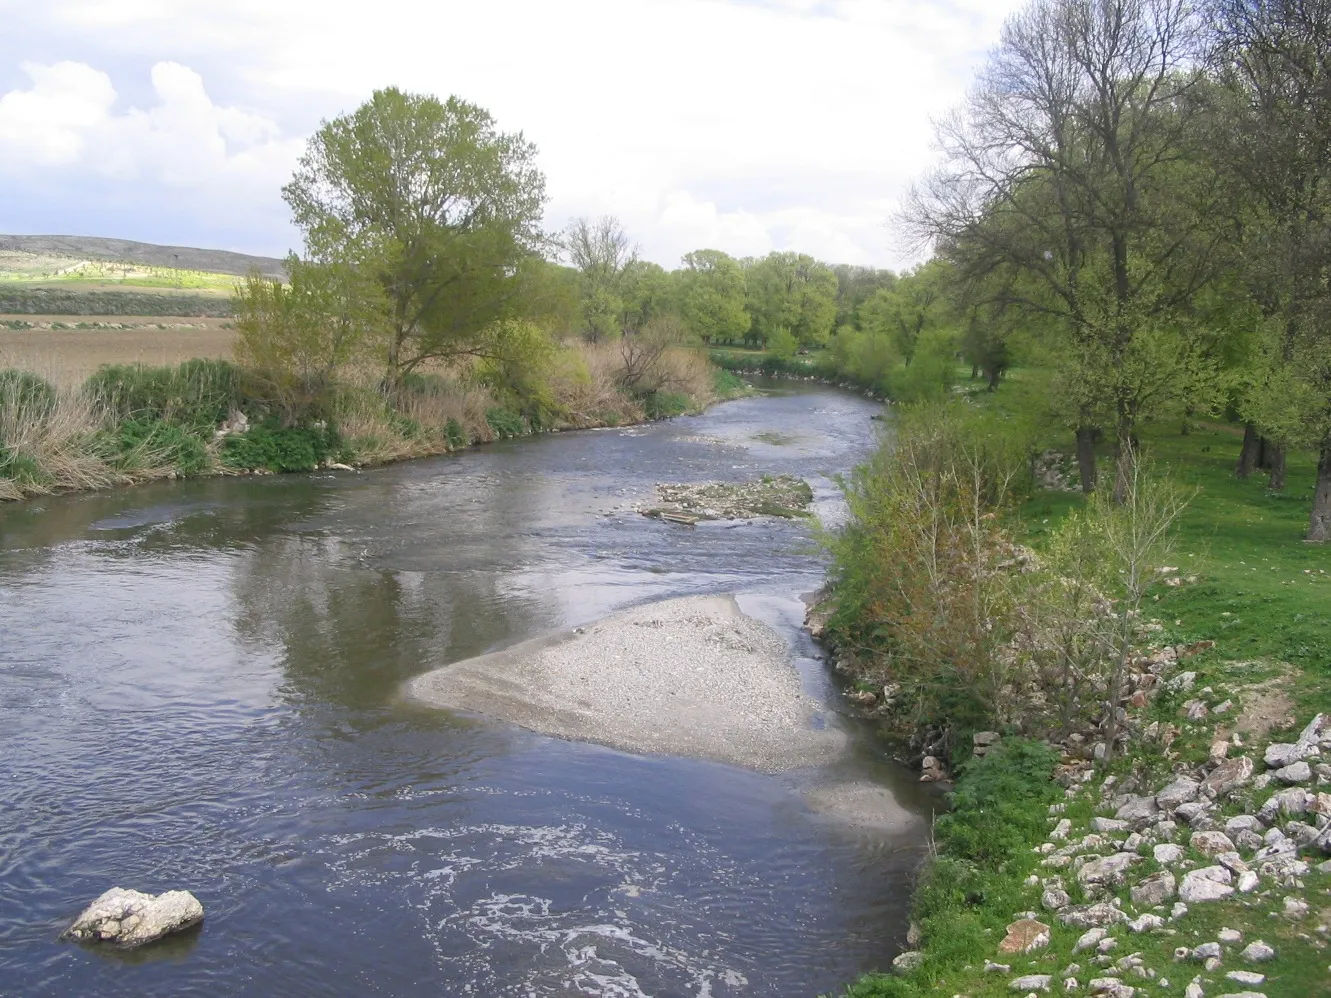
(493,942)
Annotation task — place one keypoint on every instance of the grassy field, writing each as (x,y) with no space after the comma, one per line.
(70,348)
(43,270)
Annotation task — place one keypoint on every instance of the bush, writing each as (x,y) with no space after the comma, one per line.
(33,396)
(149,443)
(277,448)
(664,405)
(454,433)
(198,393)
(505,423)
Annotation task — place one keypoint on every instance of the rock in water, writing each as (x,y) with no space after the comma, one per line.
(132,918)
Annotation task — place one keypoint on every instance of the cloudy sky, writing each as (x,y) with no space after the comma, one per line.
(745,125)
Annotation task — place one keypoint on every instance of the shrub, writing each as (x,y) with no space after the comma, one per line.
(197,393)
(454,433)
(29,394)
(136,444)
(277,448)
(505,423)
(663,405)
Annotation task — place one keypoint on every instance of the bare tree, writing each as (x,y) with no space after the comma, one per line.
(1071,172)
(602,252)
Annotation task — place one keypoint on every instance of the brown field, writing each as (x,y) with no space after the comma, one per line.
(67,356)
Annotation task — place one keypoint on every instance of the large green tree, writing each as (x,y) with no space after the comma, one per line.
(438,206)
(711,296)
(794,292)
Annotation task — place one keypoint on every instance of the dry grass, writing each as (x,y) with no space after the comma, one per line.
(56,445)
(66,357)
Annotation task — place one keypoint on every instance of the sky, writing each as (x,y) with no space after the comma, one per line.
(742,125)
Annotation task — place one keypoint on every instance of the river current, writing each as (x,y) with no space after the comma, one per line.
(200,688)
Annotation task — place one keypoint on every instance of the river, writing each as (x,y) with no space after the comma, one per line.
(200,688)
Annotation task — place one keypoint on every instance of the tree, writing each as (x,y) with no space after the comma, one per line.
(711,296)
(794,292)
(911,305)
(298,335)
(855,285)
(1074,174)
(433,202)
(603,254)
(1274,60)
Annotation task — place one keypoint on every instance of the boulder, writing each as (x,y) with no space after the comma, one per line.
(1109,826)
(1242,822)
(1211,843)
(1155,889)
(1293,774)
(1054,898)
(132,918)
(1088,916)
(1166,853)
(1290,802)
(1146,923)
(1025,936)
(907,961)
(1138,811)
(1179,792)
(1108,872)
(1210,883)
(1257,952)
(1226,777)
(1090,938)
(1030,982)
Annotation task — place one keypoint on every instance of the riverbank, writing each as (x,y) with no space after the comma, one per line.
(690,677)
(1153,868)
(132,423)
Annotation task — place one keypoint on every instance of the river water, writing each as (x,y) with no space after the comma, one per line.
(200,687)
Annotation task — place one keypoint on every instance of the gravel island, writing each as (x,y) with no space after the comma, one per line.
(687,677)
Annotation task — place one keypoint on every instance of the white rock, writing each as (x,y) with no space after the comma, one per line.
(1155,889)
(1257,952)
(1060,831)
(1166,853)
(1246,977)
(1295,908)
(1108,826)
(1194,990)
(1031,982)
(1109,871)
(1146,923)
(1206,951)
(1298,772)
(1248,882)
(1178,911)
(1230,937)
(1181,791)
(1090,938)
(1210,883)
(908,960)
(132,918)
(1211,843)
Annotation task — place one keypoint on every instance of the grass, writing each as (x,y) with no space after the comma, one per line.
(40,269)
(66,357)
(1265,597)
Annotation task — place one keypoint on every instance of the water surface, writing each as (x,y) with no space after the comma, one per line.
(200,688)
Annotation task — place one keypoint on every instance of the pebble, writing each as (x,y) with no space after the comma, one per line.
(1230,936)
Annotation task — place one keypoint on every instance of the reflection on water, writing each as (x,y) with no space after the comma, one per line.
(199,688)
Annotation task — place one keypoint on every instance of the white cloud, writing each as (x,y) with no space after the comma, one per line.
(47,124)
(744,124)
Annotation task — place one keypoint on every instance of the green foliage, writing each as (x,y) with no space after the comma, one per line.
(932,371)
(505,422)
(782,344)
(33,396)
(454,434)
(197,393)
(438,205)
(712,288)
(727,385)
(793,292)
(21,468)
(277,448)
(517,367)
(149,442)
(664,405)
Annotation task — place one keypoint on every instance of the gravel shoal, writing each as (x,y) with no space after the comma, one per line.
(687,677)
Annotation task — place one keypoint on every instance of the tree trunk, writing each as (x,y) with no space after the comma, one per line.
(1086,457)
(1125,454)
(1319,524)
(1277,453)
(994,373)
(1265,454)
(1248,455)
(975,371)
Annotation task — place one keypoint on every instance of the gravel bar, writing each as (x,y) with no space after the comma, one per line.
(685,677)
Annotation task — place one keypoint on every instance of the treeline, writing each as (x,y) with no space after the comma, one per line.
(1138,193)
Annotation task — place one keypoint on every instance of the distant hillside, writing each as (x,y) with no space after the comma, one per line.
(179,257)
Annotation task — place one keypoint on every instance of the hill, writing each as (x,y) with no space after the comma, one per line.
(148,254)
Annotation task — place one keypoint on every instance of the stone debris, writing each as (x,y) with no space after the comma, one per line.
(1025,936)
(131,918)
(772,495)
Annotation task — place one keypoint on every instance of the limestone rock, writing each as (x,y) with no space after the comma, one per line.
(1054,898)
(1210,883)
(1248,882)
(1227,777)
(1090,938)
(1108,872)
(907,961)
(1025,936)
(1089,915)
(1146,923)
(1030,982)
(1108,826)
(1211,843)
(1155,889)
(1246,977)
(1295,773)
(1290,802)
(1257,952)
(132,918)
(1166,853)
(1179,792)
(1138,812)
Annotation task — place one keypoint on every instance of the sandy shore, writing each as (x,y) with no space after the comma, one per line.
(689,677)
